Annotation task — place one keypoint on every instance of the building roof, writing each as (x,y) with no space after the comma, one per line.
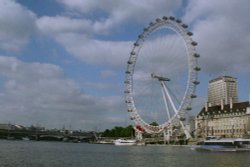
(221,77)
(216,110)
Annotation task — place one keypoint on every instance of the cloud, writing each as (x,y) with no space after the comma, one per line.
(222,31)
(95,51)
(74,36)
(112,12)
(61,24)
(17,24)
(101,86)
(39,93)
(81,35)
(107,73)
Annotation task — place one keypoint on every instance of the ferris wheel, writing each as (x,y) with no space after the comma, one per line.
(161,76)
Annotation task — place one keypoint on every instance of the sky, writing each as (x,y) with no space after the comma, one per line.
(62,62)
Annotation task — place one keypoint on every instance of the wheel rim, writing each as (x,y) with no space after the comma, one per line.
(135,70)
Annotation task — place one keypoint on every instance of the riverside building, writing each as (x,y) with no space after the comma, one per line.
(229,120)
(223,115)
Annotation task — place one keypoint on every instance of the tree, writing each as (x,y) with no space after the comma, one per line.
(119,131)
(154,123)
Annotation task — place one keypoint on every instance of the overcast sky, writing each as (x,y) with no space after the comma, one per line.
(62,62)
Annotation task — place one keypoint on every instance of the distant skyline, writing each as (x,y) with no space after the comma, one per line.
(62,62)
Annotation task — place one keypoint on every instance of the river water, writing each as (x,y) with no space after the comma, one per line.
(59,154)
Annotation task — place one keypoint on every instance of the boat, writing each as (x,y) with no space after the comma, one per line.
(104,142)
(125,142)
(25,138)
(223,145)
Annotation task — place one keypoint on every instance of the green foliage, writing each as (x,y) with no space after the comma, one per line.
(119,131)
(154,124)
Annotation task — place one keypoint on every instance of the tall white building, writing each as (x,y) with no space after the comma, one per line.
(222,90)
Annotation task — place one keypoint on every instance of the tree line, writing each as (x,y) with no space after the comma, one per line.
(119,131)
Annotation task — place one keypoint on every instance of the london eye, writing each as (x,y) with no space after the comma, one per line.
(161,76)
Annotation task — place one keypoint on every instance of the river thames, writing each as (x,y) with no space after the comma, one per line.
(59,154)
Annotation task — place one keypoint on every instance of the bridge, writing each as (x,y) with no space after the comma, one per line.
(47,135)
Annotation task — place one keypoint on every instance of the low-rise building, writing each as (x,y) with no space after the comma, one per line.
(230,120)
(11,127)
(6,127)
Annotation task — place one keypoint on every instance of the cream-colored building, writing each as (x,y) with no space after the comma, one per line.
(230,120)
(222,90)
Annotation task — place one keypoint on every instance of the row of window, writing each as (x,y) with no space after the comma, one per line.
(225,131)
(230,121)
(225,114)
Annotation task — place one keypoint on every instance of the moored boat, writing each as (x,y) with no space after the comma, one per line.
(125,142)
(225,145)
(25,138)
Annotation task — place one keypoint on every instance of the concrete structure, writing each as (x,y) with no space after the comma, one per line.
(11,127)
(230,120)
(6,126)
(222,90)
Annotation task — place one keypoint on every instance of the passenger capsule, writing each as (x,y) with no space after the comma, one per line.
(189,108)
(132,53)
(197,68)
(127,72)
(130,62)
(193,96)
(184,26)
(189,33)
(126,91)
(164,17)
(182,119)
(172,18)
(194,43)
(127,101)
(126,82)
(196,82)
(178,20)
(158,20)
(196,55)
(136,44)
(140,36)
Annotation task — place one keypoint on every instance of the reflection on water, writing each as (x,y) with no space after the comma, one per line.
(53,154)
